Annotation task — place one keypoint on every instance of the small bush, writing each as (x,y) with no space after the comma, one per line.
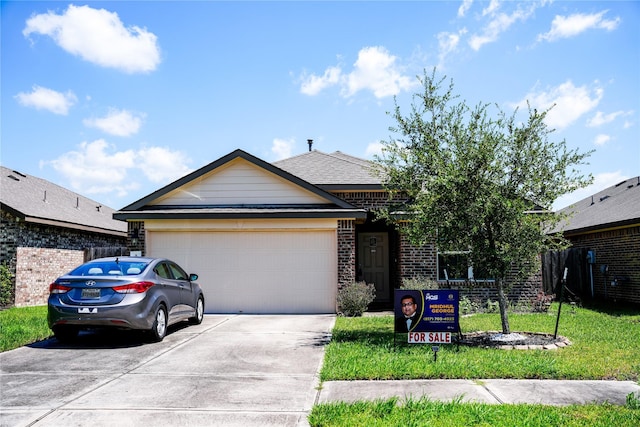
(493,306)
(6,286)
(419,283)
(468,306)
(542,302)
(354,298)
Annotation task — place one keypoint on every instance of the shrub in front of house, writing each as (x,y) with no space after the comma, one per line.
(6,286)
(354,298)
(419,283)
(542,302)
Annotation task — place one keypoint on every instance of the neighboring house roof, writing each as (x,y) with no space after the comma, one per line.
(616,206)
(335,171)
(39,201)
(239,185)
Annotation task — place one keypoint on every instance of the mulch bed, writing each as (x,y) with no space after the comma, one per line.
(514,341)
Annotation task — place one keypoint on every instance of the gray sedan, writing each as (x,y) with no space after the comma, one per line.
(124,292)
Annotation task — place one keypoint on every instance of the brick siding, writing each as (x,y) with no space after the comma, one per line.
(346,252)
(413,261)
(36,254)
(620,251)
(36,268)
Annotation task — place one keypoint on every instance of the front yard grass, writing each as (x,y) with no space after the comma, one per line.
(605,345)
(23,325)
(414,413)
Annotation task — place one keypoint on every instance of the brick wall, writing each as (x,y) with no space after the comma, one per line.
(413,261)
(36,254)
(36,268)
(416,261)
(135,233)
(346,252)
(620,251)
(368,200)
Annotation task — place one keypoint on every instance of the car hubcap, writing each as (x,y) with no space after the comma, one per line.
(200,309)
(161,323)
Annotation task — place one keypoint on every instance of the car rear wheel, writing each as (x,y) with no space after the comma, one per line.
(65,333)
(197,319)
(159,328)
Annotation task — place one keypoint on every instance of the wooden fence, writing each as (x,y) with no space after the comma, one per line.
(101,252)
(575,261)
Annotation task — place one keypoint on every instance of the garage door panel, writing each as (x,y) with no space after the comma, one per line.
(257,272)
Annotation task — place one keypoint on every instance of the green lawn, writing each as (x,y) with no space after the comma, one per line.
(605,345)
(418,413)
(21,326)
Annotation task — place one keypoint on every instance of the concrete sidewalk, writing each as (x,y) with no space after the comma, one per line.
(545,392)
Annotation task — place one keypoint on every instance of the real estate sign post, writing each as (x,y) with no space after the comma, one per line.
(427,316)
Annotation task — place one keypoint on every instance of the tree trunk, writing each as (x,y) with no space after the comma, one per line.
(504,304)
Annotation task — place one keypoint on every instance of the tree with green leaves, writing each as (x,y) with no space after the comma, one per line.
(476,180)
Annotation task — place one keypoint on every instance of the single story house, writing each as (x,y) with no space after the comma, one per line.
(282,237)
(47,230)
(604,230)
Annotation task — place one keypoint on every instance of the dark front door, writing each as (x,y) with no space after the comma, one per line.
(373,262)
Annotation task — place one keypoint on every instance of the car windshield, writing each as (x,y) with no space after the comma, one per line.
(110,268)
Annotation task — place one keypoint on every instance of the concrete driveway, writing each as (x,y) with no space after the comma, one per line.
(232,370)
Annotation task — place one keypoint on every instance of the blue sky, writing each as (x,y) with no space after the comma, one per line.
(115,99)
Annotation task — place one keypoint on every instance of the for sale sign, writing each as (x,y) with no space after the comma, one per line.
(428,311)
(430,337)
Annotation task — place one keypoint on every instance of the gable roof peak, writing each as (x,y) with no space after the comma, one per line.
(236,154)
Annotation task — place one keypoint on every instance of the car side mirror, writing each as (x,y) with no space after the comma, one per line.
(193,277)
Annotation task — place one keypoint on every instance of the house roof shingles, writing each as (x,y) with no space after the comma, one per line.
(332,171)
(616,206)
(39,201)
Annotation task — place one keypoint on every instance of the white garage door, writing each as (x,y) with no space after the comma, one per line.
(258,271)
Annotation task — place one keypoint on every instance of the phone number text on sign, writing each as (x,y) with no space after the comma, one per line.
(430,337)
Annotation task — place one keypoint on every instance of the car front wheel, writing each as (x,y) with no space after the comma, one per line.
(197,319)
(159,328)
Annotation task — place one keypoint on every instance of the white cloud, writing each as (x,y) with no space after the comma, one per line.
(572,25)
(312,85)
(600,182)
(447,44)
(374,149)
(500,22)
(600,118)
(117,122)
(569,102)
(601,139)
(98,168)
(282,148)
(161,164)
(375,70)
(98,36)
(42,98)
(464,7)
(91,169)
(490,10)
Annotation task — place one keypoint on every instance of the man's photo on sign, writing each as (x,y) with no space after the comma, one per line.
(407,312)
